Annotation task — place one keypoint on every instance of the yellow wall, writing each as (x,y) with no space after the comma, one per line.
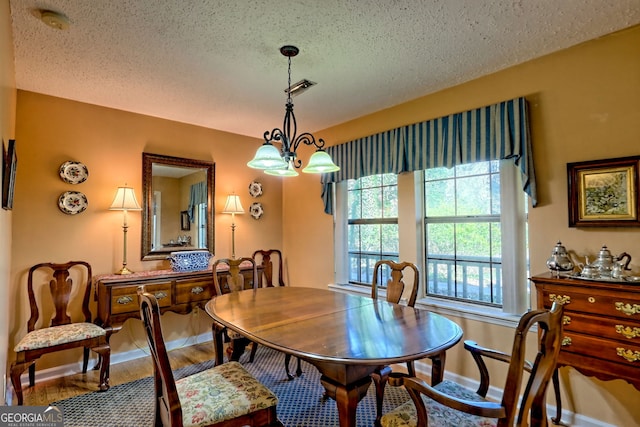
(584,105)
(110,143)
(7,129)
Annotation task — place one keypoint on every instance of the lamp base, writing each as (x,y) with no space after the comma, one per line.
(123,270)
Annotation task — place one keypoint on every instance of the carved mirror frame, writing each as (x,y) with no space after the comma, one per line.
(148,160)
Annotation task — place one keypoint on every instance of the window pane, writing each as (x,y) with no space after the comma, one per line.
(438,173)
(371,203)
(353,232)
(390,202)
(390,240)
(440,240)
(473,196)
(370,238)
(473,241)
(438,196)
(354,202)
(480,168)
(390,179)
(371,181)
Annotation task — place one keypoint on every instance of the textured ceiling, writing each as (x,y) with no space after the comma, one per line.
(216,63)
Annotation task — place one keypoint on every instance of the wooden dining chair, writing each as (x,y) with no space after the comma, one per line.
(449,403)
(62,332)
(234,281)
(264,258)
(395,289)
(225,395)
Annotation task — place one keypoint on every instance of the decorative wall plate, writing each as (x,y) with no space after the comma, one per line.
(256,210)
(73,172)
(255,189)
(72,202)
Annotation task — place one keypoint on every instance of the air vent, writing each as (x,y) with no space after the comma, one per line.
(300,87)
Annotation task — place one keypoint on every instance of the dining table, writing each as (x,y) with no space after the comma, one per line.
(349,338)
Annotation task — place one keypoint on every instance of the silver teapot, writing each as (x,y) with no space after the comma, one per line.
(559,259)
(606,263)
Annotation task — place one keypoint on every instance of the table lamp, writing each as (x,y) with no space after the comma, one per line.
(233,207)
(125,200)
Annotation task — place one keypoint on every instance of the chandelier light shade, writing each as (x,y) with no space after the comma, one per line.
(284,161)
(233,207)
(125,200)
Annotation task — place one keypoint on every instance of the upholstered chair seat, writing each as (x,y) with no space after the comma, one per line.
(220,394)
(406,415)
(57,335)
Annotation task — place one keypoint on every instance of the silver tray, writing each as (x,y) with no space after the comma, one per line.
(625,279)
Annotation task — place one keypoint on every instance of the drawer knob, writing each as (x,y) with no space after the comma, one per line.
(628,332)
(560,299)
(197,290)
(124,300)
(160,295)
(627,308)
(628,355)
(591,300)
(566,341)
(566,320)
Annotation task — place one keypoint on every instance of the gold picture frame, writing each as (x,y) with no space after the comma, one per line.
(604,193)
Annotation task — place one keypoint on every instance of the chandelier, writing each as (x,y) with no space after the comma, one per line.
(284,162)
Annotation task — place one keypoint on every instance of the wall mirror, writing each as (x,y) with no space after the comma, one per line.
(177,211)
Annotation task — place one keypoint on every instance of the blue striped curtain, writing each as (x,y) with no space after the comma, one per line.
(499,131)
(198,194)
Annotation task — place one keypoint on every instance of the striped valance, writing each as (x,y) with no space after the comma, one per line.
(499,131)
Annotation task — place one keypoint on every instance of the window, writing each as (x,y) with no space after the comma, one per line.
(462,232)
(372,224)
(468,228)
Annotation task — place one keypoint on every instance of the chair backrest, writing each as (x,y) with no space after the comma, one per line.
(234,279)
(61,287)
(540,371)
(167,401)
(264,256)
(395,285)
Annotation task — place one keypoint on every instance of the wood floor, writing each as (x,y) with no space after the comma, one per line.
(42,394)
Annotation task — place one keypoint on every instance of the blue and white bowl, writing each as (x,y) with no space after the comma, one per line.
(189,260)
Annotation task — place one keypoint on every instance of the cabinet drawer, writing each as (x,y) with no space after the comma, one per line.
(620,329)
(598,348)
(125,299)
(193,290)
(616,304)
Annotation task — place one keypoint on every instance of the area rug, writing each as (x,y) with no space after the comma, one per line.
(301,402)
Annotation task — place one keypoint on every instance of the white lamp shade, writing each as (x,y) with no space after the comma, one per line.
(288,171)
(267,157)
(233,205)
(320,162)
(125,200)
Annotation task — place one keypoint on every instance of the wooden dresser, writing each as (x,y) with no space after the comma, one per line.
(117,297)
(601,325)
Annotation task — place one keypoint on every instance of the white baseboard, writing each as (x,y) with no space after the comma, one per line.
(568,418)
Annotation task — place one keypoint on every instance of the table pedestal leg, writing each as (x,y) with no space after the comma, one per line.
(380,378)
(346,397)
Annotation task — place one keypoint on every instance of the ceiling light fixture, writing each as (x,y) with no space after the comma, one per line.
(284,162)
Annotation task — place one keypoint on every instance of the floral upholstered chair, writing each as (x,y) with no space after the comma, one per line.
(450,404)
(226,395)
(61,333)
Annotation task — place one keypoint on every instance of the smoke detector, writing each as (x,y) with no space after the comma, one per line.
(54,19)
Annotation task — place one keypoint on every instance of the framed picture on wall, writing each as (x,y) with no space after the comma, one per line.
(604,193)
(10,161)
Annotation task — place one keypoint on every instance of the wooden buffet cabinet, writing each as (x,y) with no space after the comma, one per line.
(601,326)
(179,292)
